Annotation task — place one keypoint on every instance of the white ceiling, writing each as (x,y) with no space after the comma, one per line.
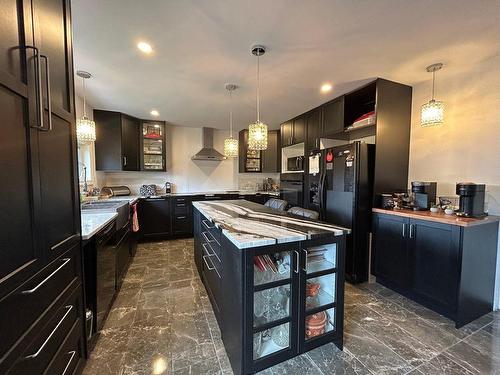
(200,45)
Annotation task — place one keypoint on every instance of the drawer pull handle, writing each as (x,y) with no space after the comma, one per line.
(34,355)
(205,235)
(208,252)
(206,225)
(73,353)
(30,291)
(181,217)
(210,268)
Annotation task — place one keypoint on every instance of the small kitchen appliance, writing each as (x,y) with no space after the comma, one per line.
(168,187)
(471,199)
(424,194)
(295,164)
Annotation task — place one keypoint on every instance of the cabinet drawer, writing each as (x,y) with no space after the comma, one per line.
(70,354)
(40,348)
(20,309)
(181,208)
(184,200)
(182,224)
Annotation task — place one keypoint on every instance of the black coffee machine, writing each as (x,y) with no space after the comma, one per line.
(471,199)
(424,194)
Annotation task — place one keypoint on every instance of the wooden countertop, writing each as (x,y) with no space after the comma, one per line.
(439,217)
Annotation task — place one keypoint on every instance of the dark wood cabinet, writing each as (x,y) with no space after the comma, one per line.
(435,256)
(392,260)
(271,158)
(130,143)
(153,146)
(299,129)
(40,271)
(155,217)
(447,268)
(313,127)
(117,141)
(333,117)
(266,161)
(286,131)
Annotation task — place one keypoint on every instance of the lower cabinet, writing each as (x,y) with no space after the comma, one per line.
(447,268)
(154,217)
(272,302)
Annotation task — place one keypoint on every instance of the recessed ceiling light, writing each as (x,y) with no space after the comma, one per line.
(155,113)
(145,47)
(326,87)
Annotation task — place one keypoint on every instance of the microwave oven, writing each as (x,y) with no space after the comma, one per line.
(295,163)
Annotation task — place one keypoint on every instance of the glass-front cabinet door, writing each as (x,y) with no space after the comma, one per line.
(274,312)
(153,146)
(320,291)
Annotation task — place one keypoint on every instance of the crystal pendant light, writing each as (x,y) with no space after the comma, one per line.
(85,128)
(257,132)
(231,144)
(432,113)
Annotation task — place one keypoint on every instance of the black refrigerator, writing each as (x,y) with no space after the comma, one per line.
(342,191)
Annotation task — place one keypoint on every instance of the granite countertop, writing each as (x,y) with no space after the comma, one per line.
(93,222)
(439,217)
(247,224)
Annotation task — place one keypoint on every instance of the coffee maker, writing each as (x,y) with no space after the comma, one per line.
(471,199)
(424,194)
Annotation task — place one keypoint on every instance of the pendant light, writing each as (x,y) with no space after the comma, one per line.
(85,128)
(230,144)
(257,132)
(432,113)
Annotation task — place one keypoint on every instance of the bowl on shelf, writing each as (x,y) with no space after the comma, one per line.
(449,211)
(434,210)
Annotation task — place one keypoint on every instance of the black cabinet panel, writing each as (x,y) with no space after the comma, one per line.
(333,117)
(130,143)
(58,194)
(286,133)
(435,261)
(299,129)
(53,37)
(12,59)
(154,216)
(271,158)
(313,129)
(18,251)
(392,259)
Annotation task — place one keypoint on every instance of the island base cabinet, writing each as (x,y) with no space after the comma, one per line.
(272,302)
(447,268)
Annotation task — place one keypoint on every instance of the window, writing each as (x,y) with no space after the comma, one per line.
(86,163)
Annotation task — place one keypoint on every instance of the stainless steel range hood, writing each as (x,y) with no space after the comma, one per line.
(208,152)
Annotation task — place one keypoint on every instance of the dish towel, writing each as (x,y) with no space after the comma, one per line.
(135,220)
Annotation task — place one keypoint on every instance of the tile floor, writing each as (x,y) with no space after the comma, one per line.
(162,323)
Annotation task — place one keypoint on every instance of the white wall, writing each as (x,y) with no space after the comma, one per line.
(467,146)
(186,174)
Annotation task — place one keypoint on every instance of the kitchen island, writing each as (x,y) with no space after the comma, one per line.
(275,281)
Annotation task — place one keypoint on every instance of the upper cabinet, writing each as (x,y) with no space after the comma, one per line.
(267,161)
(333,117)
(313,126)
(153,146)
(293,131)
(117,141)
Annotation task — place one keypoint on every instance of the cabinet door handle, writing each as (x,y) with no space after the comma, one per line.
(404,230)
(37,353)
(124,161)
(73,353)
(305,262)
(31,291)
(39,90)
(297,258)
(47,87)
(411,230)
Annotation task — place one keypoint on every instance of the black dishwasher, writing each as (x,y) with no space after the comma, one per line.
(105,273)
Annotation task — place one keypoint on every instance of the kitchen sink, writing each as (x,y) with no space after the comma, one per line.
(120,206)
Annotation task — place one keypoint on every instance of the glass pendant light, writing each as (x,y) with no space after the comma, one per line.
(432,113)
(85,128)
(230,144)
(257,132)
